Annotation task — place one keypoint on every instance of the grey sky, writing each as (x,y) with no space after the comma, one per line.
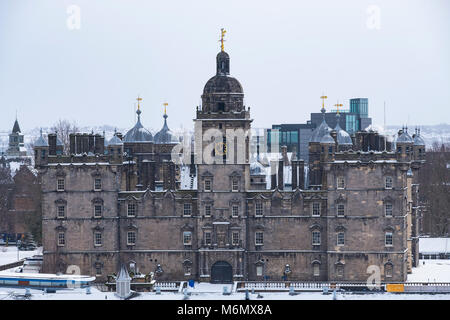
(284,53)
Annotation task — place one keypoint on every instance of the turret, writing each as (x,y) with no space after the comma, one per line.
(115,150)
(41,149)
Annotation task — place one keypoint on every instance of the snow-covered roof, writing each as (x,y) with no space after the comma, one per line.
(434,245)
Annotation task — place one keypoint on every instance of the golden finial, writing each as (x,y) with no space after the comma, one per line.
(139,100)
(337,106)
(323,101)
(165,104)
(222,32)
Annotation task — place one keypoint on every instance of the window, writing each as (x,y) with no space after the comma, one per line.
(340,270)
(259,238)
(187,238)
(235,210)
(316,269)
(131,238)
(388,183)
(388,209)
(340,183)
(61,211)
(207,185)
(207,238)
(97,184)
(97,210)
(235,238)
(187,209)
(98,271)
(388,270)
(208,210)
(259,271)
(258,208)
(340,238)
(388,241)
(316,238)
(60,186)
(235,185)
(61,239)
(316,209)
(97,239)
(131,210)
(340,210)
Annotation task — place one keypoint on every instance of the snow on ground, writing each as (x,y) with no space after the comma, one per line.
(431,271)
(9,254)
(196,294)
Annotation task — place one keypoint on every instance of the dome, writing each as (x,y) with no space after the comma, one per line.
(138,133)
(342,136)
(115,141)
(165,135)
(418,141)
(222,84)
(327,139)
(404,138)
(322,130)
(41,142)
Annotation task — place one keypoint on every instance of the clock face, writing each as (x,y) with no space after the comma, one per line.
(221,148)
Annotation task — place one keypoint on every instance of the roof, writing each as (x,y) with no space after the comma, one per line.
(16,128)
(342,136)
(165,135)
(434,245)
(41,142)
(115,141)
(322,130)
(138,133)
(222,84)
(404,138)
(418,141)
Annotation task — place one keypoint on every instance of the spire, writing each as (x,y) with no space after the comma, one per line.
(16,128)
(323,97)
(223,59)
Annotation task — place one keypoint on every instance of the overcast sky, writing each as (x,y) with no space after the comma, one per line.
(286,54)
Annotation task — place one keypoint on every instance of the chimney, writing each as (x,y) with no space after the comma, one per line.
(52,144)
(280,174)
(284,155)
(301,174)
(172,175)
(72,143)
(273,175)
(294,165)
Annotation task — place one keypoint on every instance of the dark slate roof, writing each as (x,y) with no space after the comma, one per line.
(404,138)
(222,84)
(165,135)
(418,141)
(322,130)
(16,128)
(138,133)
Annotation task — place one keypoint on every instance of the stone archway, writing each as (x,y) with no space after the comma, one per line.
(221,272)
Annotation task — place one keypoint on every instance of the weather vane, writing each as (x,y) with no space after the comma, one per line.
(139,100)
(337,106)
(222,31)
(323,101)
(165,104)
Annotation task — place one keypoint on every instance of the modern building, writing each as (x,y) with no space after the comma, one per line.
(222,218)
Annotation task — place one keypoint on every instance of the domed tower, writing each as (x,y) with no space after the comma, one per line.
(320,142)
(138,139)
(419,146)
(41,148)
(404,144)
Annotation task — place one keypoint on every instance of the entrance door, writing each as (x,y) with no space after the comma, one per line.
(221,272)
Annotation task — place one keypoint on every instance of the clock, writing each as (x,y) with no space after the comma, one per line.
(220,148)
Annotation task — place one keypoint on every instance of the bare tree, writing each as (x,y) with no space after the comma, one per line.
(64,128)
(435,190)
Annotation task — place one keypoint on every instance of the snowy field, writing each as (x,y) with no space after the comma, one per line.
(431,271)
(9,254)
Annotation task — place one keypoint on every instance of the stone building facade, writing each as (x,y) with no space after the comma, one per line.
(126,202)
